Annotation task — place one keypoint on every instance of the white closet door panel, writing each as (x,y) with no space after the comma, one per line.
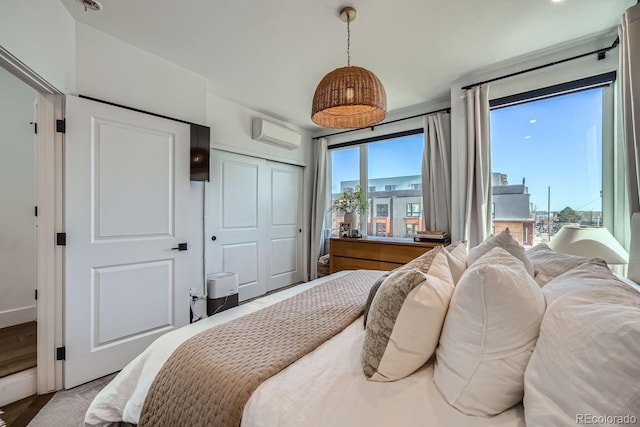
(285,232)
(235,224)
(284,257)
(285,189)
(242,258)
(239,195)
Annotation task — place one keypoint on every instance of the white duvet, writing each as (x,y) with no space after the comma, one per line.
(325,388)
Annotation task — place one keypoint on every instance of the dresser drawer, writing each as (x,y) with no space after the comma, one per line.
(338,263)
(401,253)
(370,253)
(354,249)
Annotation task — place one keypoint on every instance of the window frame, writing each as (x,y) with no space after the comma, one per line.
(612,191)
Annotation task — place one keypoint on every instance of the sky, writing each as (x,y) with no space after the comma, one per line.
(554,142)
(392,157)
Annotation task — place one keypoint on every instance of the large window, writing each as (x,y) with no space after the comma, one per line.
(393,171)
(546,160)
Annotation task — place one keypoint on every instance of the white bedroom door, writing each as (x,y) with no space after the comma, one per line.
(126,214)
(285,229)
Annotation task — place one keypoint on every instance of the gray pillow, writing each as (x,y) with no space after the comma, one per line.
(372,293)
(406,318)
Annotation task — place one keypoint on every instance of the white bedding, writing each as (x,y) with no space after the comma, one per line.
(326,387)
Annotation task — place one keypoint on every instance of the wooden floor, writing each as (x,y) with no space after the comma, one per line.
(20,413)
(18,346)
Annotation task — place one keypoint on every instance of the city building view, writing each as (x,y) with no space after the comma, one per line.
(395,206)
(395,210)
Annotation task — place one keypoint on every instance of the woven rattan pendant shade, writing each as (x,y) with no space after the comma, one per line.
(349,97)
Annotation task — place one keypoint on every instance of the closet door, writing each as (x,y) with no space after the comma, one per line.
(285,229)
(236,222)
(253,222)
(126,212)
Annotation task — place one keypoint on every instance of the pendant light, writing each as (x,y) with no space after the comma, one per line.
(349,97)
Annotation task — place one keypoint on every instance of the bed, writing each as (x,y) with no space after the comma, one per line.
(327,386)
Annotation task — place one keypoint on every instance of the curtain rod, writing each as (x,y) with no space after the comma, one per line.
(447,110)
(600,52)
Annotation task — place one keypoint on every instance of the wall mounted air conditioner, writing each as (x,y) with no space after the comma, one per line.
(272,133)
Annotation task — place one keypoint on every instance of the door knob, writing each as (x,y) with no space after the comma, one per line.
(213,238)
(180,247)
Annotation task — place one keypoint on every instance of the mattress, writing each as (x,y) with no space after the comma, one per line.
(325,387)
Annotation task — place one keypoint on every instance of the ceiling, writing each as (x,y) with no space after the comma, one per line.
(269,55)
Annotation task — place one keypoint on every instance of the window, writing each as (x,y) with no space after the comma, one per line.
(382,210)
(413,209)
(393,163)
(412,228)
(344,174)
(547,169)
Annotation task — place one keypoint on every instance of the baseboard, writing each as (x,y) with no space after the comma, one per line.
(17,316)
(18,386)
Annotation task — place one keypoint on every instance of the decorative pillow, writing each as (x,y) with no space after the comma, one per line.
(585,363)
(488,335)
(457,257)
(548,264)
(405,318)
(372,293)
(504,241)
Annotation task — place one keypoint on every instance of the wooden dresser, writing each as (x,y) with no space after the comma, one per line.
(374,253)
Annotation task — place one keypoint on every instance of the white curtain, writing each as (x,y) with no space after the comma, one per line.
(318,204)
(629,34)
(478,162)
(436,172)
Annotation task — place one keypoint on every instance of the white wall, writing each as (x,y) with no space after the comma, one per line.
(403,125)
(572,70)
(231,131)
(112,70)
(41,33)
(18,194)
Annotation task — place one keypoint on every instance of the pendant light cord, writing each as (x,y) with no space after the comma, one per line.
(348,41)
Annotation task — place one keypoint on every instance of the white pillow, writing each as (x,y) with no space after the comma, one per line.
(488,335)
(548,264)
(406,317)
(585,363)
(457,256)
(506,242)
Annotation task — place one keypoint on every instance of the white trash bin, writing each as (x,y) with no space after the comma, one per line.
(222,291)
